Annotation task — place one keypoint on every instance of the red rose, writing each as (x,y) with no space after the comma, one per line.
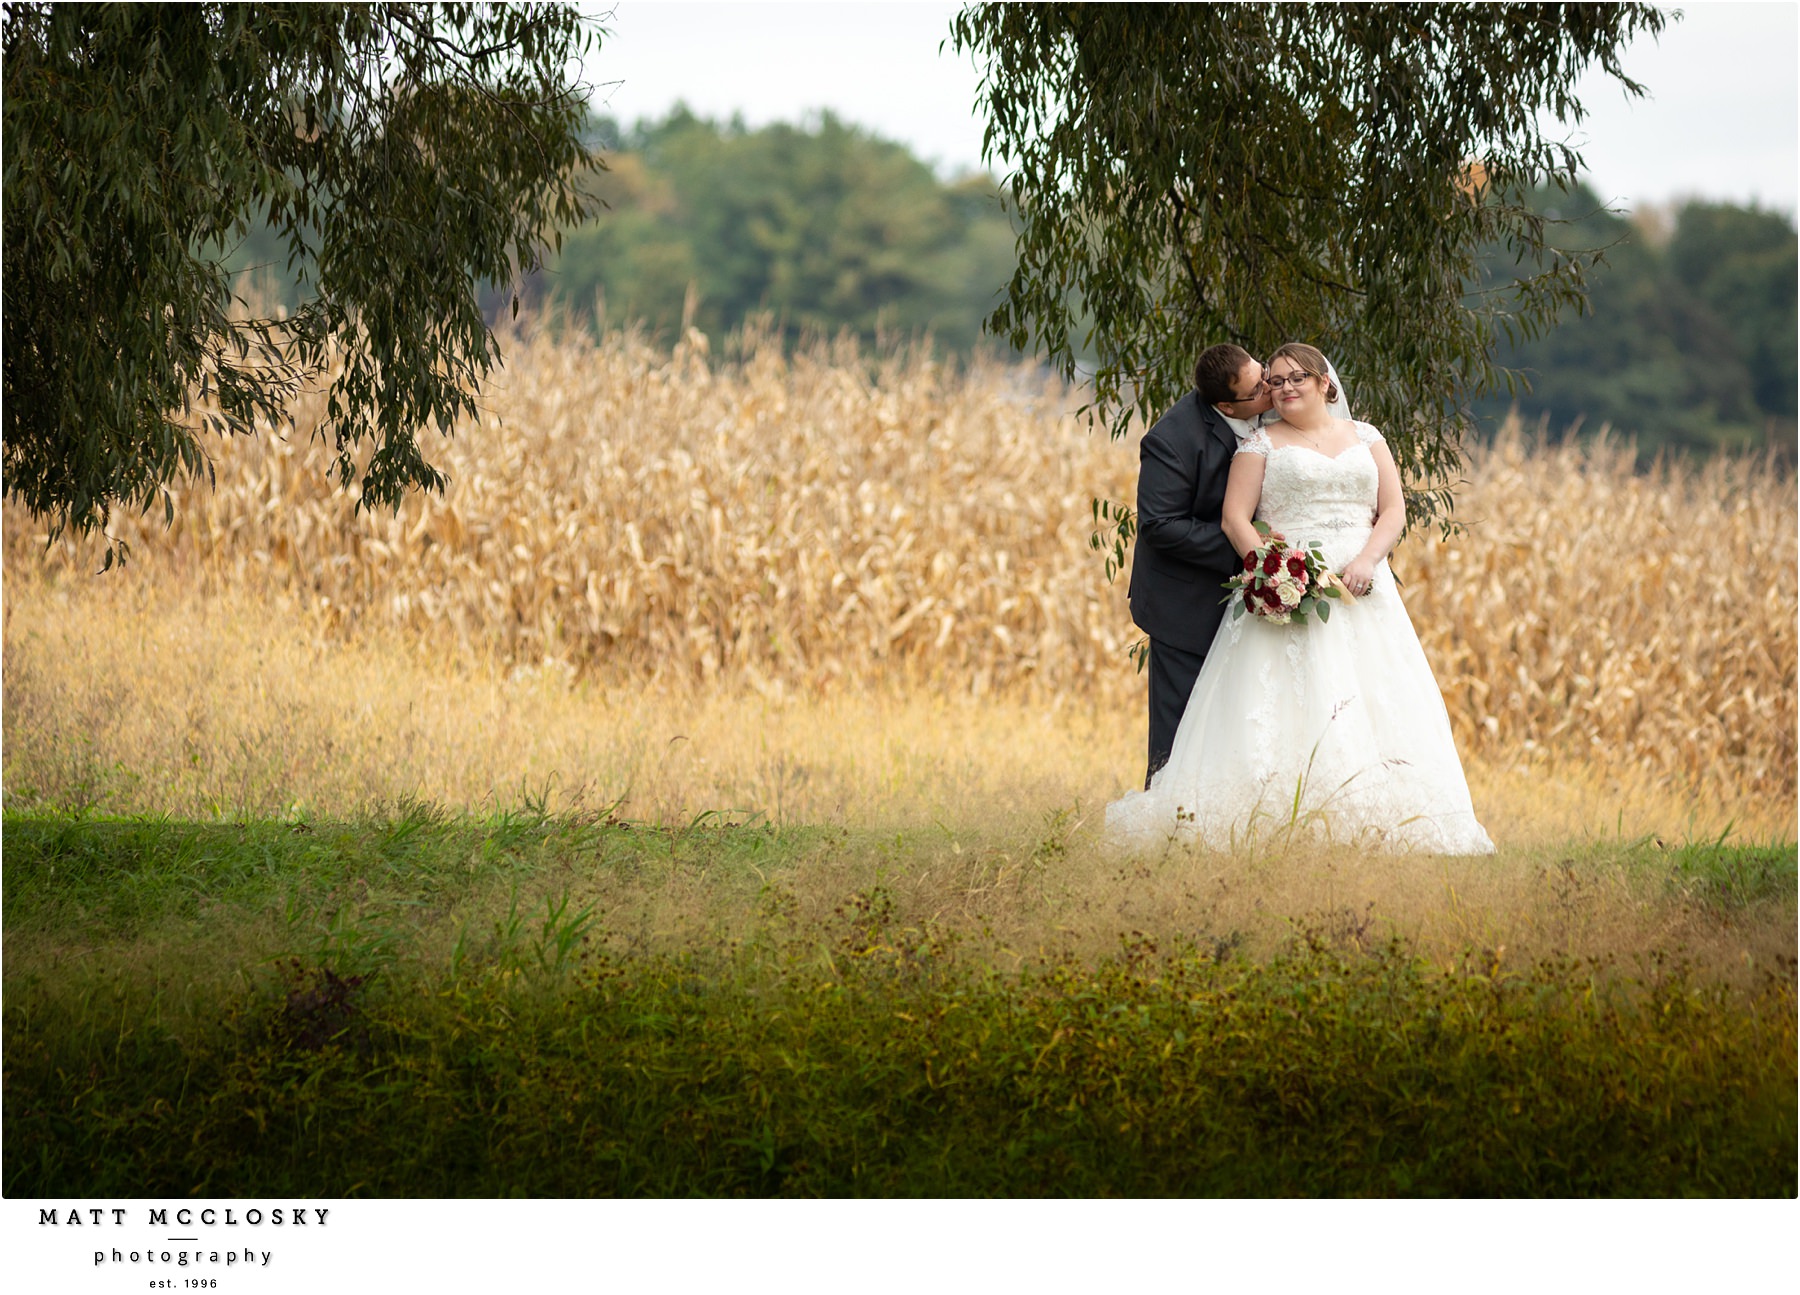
(1272,563)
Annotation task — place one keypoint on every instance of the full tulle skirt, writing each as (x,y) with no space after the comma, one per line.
(1334,729)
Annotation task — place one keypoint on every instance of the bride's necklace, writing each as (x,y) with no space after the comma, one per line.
(1310,437)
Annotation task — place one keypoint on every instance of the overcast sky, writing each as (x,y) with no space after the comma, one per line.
(1720,120)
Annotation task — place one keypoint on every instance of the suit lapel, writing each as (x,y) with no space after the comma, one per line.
(1215,424)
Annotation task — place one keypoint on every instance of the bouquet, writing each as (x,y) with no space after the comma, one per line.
(1280,582)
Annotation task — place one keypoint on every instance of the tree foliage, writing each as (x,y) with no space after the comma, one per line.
(401,153)
(822,224)
(1687,338)
(1741,264)
(1258,173)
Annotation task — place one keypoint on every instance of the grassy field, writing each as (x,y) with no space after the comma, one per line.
(419,1004)
(701,798)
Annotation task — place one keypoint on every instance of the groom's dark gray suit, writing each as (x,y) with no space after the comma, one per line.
(1182,557)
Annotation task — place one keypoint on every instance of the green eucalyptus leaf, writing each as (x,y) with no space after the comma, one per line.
(402,152)
(1260,173)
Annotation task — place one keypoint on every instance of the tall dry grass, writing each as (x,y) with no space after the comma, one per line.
(148,700)
(814,531)
(624,511)
(1641,619)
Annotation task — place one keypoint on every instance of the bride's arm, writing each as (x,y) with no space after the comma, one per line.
(1390,516)
(1243,490)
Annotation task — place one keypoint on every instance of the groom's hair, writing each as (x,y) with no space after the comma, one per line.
(1216,369)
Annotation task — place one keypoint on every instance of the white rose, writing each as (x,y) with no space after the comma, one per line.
(1289,594)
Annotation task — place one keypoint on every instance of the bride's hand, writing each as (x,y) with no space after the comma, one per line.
(1358,576)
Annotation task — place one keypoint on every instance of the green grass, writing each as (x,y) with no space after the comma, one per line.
(419,1004)
(1733,877)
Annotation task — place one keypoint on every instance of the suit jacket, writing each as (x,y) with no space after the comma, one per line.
(1181,558)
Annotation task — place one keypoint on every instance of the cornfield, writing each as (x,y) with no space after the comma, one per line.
(804,523)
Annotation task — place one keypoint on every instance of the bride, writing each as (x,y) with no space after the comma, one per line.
(1334,727)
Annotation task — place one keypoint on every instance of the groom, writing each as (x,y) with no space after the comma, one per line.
(1182,559)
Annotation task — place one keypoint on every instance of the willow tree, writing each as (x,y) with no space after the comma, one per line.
(1259,173)
(403,154)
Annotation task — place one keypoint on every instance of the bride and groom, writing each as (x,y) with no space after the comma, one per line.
(1336,724)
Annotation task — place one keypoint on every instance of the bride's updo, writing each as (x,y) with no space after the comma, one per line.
(1311,360)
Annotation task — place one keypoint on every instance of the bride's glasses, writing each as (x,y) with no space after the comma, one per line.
(1276,381)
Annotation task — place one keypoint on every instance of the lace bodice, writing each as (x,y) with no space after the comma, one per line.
(1308,496)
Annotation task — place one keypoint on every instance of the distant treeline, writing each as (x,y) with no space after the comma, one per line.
(1689,339)
(824,226)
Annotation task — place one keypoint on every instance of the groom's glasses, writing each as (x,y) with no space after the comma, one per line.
(1276,381)
(1255,392)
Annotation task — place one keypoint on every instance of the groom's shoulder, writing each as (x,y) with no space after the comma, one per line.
(1182,418)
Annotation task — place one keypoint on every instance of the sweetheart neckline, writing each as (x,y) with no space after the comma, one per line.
(1329,458)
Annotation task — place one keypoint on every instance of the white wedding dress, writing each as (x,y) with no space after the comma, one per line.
(1335,728)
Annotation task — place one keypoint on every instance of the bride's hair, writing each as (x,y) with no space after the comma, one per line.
(1311,360)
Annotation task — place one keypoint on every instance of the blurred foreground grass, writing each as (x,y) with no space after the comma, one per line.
(416,1003)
